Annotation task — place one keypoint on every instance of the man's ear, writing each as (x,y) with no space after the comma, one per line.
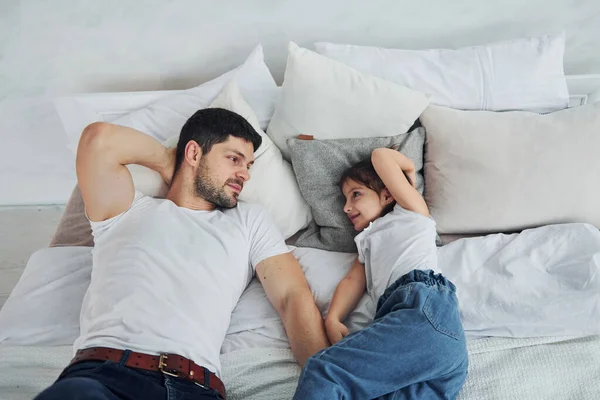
(193,153)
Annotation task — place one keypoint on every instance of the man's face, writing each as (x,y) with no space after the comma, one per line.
(223,171)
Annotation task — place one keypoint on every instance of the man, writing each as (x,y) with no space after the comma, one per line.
(168,273)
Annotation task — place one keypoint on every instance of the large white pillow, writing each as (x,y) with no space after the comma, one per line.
(499,172)
(162,113)
(273,183)
(524,74)
(330,100)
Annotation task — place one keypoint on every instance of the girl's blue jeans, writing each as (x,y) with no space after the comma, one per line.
(414,349)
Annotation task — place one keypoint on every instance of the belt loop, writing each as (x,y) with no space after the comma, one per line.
(125,357)
(206,377)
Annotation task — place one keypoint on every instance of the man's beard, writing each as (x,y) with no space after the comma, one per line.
(209,190)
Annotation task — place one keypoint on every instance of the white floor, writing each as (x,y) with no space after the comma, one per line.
(23,230)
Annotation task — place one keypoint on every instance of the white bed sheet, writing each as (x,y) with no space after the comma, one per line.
(540,282)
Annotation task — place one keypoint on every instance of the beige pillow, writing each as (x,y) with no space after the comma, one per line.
(498,172)
(74,228)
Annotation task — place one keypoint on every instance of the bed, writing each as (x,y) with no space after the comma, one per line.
(525,340)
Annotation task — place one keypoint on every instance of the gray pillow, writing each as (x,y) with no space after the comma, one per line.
(319,164)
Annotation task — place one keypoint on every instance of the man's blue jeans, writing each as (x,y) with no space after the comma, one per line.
(414,349)
(107,380)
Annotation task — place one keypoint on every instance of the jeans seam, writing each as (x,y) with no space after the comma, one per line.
(171,393)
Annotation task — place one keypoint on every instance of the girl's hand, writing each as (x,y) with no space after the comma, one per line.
(336,331)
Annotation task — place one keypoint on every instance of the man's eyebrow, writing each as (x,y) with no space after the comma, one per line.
(239,153)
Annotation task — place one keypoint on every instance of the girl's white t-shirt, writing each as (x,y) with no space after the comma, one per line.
(165,279)
(394,245)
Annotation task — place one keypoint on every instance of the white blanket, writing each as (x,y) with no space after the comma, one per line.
(542,368)
(540,282)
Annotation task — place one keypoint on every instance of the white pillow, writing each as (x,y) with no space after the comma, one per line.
(329,100)
(158,111)
(44,306)
(78,111)
(489,172)
(524,74)
(272,184)
(323,271)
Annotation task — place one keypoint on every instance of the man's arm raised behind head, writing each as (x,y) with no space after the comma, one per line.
(104,151)
(288,291)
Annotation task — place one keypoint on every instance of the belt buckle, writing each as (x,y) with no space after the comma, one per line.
(162,364)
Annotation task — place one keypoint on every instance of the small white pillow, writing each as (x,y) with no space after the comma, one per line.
(162,113)
(524,74)
(273,183)
(330,100)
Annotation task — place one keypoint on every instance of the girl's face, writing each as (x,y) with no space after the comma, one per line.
(363,205)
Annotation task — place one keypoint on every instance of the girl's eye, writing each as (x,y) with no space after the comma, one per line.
(234,159)
(355,194)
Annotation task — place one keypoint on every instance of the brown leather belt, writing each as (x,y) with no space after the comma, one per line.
(168,364)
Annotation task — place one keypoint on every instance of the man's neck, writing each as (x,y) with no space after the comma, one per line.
(182,195)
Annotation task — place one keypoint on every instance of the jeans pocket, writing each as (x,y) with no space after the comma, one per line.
(441,309)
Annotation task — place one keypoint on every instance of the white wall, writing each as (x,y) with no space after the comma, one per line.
(50,48)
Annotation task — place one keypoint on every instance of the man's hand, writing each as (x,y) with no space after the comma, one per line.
(104,151)
(336,331)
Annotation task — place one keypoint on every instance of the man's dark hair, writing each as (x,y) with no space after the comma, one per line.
(211,126)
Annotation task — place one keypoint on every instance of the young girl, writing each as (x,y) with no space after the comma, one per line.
(415,347)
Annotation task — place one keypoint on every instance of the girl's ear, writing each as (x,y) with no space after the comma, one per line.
(386,197)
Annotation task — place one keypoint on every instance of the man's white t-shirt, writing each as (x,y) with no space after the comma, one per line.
(394,245)
(165,279)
